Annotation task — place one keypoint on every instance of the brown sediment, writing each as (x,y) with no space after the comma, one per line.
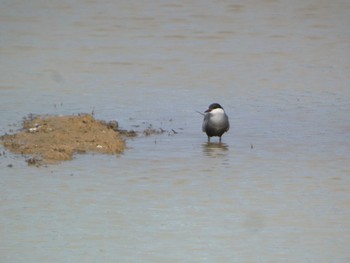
(52,139)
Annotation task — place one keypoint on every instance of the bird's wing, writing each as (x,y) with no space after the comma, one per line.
(228,123)
(205,121)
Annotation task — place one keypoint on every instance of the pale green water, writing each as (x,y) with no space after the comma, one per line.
(279,68)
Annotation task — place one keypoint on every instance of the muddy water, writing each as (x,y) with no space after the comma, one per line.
(276,190)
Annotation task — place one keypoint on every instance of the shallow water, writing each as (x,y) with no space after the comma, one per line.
(275,190)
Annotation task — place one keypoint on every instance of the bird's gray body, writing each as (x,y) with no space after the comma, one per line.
(215,121)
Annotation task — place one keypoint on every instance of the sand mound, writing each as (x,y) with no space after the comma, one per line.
(51,139)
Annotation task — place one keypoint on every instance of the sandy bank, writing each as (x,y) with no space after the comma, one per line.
(52,139)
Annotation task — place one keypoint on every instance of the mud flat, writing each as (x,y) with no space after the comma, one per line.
(53,139)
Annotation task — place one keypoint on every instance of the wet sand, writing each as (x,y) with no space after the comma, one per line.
(52,139)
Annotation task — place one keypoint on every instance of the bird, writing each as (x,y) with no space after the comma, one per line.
(215,122)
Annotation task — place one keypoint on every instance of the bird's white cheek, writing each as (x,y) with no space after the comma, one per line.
(217,111)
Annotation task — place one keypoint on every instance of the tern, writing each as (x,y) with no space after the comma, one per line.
(215,121)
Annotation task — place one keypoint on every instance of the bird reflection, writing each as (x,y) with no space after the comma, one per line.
(215,149)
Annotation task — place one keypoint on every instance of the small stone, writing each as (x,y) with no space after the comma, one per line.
(113,125)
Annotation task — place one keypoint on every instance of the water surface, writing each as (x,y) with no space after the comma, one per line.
(275,190)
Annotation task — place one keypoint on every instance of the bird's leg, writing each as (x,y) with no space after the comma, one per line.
(220,139)
(208,139)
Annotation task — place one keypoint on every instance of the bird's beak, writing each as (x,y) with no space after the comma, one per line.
(208,110)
